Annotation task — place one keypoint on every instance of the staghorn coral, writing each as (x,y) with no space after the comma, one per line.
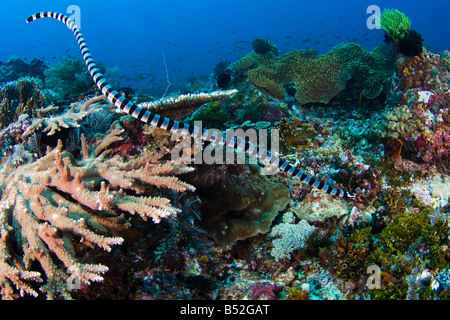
(71,118)
(49,204)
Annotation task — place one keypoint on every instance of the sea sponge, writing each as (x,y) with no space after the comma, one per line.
(394,23)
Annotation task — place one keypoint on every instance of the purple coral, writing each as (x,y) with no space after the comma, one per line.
(262,290)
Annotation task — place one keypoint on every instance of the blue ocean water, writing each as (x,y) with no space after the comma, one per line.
(151,42)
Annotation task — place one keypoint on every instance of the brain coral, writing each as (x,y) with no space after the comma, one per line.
(320,78)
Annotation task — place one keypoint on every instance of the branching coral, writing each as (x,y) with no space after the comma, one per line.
(400,122)
(19,97)
(55,200)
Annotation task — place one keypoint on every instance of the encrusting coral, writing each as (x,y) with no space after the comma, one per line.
(47,204)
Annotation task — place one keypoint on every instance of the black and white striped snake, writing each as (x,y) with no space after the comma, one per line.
(179,127)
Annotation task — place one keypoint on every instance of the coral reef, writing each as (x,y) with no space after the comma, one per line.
(419,120)
(178,106)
